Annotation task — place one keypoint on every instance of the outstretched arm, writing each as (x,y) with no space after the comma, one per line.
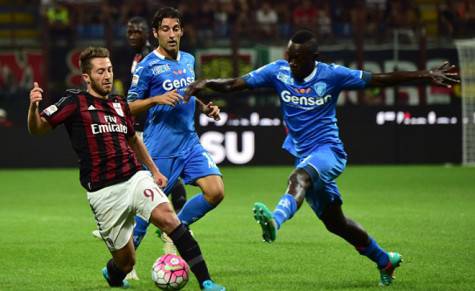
(218,85)
(36,123)
(441,76)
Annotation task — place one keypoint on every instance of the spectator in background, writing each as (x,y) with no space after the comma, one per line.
(58,19)
(324,23)
(267,19)
(305,16)
(204,22)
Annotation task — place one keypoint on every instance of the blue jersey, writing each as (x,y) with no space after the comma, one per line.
(168,131)
(308,107)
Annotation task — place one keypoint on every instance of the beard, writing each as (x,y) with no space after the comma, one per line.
(99,89)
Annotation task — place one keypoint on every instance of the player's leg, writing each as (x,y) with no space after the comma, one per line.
(201,170)
(299,183)
(141,225)
(336,222)
(178,195)
(111,207)
(155,207)
(122,262)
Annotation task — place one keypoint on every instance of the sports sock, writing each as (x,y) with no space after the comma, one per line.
(194,209)
(375,253)
(140,230)
(285,209)
(178,196)
(116,275)
(190,251)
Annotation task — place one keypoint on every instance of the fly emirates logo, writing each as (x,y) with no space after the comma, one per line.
(110,126)
(304,101)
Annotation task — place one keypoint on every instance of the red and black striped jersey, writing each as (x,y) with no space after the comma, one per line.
(98,130)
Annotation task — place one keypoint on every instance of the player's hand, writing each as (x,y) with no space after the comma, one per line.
(444,75)
(212,111)
(36,95)
(171,98)
(193,89)
(160,180)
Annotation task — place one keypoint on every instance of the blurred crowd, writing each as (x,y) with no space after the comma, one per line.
(209,22)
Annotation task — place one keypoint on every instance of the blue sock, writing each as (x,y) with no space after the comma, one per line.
(140,230)
(194,209)
(375,253)
(285,209)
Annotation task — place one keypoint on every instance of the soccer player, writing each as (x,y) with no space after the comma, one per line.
(138,39)
(308,91)
(101,131)
(169,132)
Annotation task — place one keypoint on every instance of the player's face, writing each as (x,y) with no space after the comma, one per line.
(100,79)
(169,34)
(301,61)
(136,36)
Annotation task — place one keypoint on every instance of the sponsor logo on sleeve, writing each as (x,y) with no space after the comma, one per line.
(135,80)
(50,110)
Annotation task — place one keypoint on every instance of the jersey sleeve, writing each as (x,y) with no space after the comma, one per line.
(130,121)
(140,84)
(349,78)
(261,77)
(60,111)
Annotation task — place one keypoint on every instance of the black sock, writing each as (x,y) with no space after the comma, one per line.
(116,275)
(190,251)
(178,196)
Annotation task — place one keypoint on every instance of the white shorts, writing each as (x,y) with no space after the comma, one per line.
(114,207)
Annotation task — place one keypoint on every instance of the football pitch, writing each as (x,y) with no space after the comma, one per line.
(427,213)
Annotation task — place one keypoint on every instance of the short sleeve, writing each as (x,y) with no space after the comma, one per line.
(60,111)
(261,77)
(130,121)
(140,84)
(351,79)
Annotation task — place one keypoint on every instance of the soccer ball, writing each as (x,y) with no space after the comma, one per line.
(170,272)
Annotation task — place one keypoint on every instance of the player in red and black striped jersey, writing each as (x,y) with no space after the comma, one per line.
(101,131)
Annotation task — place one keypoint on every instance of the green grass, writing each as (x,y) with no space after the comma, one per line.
(425,212)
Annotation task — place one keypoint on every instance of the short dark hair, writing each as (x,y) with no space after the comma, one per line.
(307,38)
(138,21)
(166,12)
(91,53)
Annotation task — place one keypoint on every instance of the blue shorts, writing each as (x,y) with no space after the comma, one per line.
(196,164)
(323,165)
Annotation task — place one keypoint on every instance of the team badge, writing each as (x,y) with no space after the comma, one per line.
(320,88)
(118,109)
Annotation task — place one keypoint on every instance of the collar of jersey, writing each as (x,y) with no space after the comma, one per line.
(312,74)
(163,57)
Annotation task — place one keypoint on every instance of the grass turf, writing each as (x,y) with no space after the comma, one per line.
(424,212)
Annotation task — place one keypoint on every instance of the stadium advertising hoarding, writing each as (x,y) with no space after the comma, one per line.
(251,135)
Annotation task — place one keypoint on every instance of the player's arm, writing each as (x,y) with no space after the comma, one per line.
(140,105)
(36,123)
(441,76)
(217,85)
(144,157)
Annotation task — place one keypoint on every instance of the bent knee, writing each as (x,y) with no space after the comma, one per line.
(300,178)
(164,218)
(214,195)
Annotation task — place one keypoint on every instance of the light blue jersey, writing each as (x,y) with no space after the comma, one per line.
(168,131)
(308,107)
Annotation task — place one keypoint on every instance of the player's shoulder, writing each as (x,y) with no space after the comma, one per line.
(187,56)
(72,94)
